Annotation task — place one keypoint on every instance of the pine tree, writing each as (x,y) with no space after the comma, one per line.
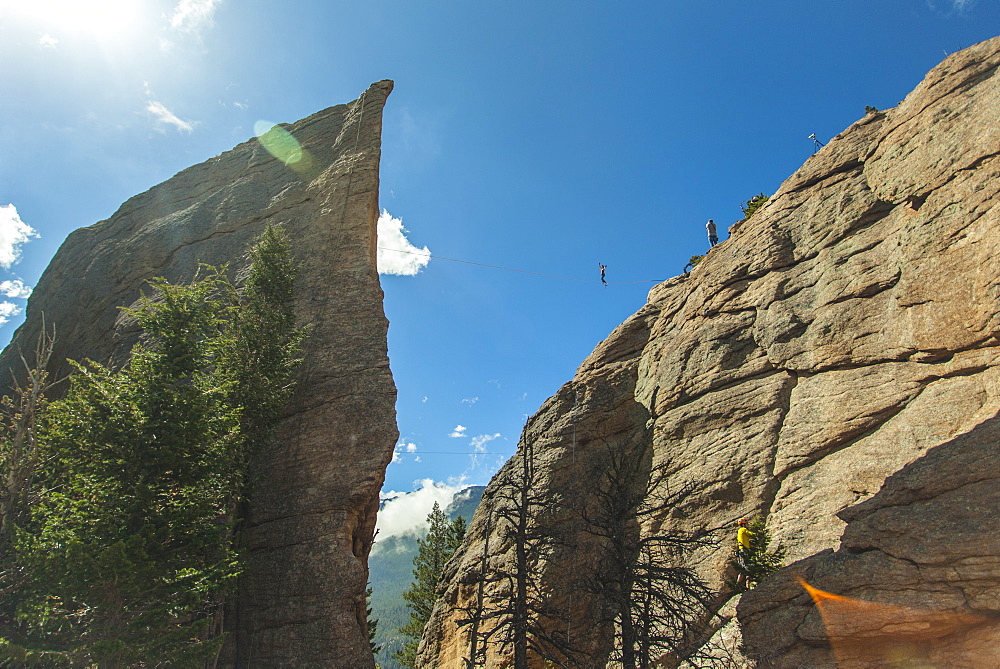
(131,548)
(263,344)
(372,622)
(761,562)
(753,204)
(433,552)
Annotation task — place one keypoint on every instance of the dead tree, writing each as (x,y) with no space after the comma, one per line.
(475,614)
(513,612)
(645,593)
(19,455)
(20,460)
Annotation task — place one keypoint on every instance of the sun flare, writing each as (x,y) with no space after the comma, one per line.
(102,19)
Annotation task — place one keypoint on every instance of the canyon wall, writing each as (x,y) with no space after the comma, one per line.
(311,516)
(848,328)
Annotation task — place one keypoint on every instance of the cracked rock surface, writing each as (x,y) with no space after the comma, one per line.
(849,328)
(311,516)
(920,561)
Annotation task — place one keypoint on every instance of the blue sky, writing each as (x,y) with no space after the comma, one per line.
(540,136)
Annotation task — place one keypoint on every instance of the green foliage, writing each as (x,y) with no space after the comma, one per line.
(390,566)
(372,622)
(263,348)
(433,552)
(692,262)
(753,204)
(131,548)
(871,110)
(759,561)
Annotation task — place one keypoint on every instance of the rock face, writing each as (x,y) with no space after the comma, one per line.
(845,330)
(919,561)
(312,514)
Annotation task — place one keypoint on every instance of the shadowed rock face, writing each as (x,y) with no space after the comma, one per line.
(921,563)
(847,328)
(312,514)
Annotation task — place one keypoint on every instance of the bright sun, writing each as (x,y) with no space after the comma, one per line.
(103,19)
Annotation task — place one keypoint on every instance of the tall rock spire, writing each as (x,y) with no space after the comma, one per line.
(311,515)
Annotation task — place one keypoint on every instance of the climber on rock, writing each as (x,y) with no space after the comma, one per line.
(744,538)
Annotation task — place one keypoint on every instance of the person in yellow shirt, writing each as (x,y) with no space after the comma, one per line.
(744,538)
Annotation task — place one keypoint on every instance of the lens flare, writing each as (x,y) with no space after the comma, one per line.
(864,633)
(279,142)
(282,145)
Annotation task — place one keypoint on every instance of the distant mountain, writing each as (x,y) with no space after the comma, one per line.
(390,572)
(465,502)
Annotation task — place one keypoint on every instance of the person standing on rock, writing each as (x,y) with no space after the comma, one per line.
(713,238)
(603,267)
(743,543)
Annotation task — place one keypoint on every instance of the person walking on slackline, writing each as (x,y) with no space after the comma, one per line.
(603,267)
(713,238)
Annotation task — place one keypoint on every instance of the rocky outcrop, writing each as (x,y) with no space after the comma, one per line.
(844,330)
(917,574)
(312,514)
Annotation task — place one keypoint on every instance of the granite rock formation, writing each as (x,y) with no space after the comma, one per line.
(847,329)
(312,514)
(920,562)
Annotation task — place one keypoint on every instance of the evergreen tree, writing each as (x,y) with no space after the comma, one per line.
(433,552)
(263,344)
(20,462)
(753,204)
(761,562)
(131,548)
(372,622)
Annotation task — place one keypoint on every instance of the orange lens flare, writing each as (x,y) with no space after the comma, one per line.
(864,633)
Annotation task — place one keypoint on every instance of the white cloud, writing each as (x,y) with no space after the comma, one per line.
(15,288)
(13,233)
(406,513)
(479,443)
(400,448)
(48,41)
(424,401)
(167,117)
(193,16)
(958,6)
(458,432)
(470,400)
(7,311)
(479,446)
(241,105)
(396,255)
